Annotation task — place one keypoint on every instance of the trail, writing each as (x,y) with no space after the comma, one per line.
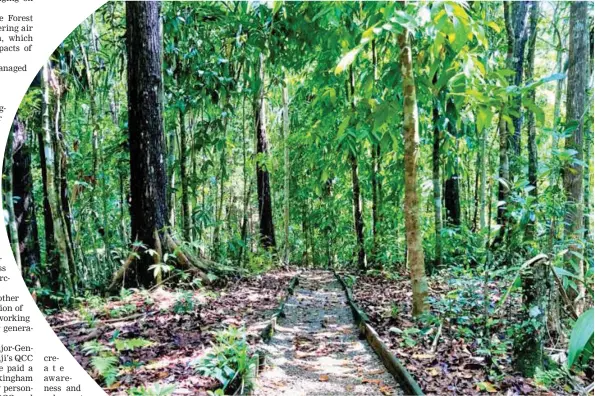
(316,349)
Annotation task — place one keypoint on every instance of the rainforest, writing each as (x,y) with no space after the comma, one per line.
(306,198)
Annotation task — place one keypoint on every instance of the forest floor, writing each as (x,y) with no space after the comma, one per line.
(181,327)
(449,353)
(316,350)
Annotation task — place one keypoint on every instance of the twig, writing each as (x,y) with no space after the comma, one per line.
(435,342)
(107,321)
(569,308)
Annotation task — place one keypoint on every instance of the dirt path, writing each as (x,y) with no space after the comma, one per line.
(316,349)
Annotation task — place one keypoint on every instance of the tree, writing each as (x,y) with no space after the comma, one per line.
(24,205)
(415,253)
(358,218)
(576,99)
(263,184)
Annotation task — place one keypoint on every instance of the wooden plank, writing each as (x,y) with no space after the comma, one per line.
(392,364)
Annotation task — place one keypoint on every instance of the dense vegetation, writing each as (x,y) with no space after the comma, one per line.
(224,138)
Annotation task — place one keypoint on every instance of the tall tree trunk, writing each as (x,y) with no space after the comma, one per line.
(576,100)
(285,97)
(436,186)
(24,207)
(375,172)
(265,206)
(9,203)
(528,348)
(186,214)
(148,180)
(61,277)
(358,218)
(531,133)
(415,253)
(517,28)
(482,182)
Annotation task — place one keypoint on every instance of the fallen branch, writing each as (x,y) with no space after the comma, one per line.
(100,322)
(435,342)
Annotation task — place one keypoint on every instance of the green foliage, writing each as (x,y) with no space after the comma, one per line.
(105,358)
(581,339)
(155,390)
(185,303)
(230,361)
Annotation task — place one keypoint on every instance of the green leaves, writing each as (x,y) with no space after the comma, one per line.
(582,333)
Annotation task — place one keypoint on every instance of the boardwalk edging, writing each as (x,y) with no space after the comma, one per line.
(392,364)
(267,333)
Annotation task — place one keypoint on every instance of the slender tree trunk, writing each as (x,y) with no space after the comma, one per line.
(24,207)
(528,347)
(516,14)
(483,177)
(415,253)
(576,99)
(436,185)
(285,97)
(375,172)
(9,197)
(265,206)
(358,218)
(60,274)
(186,214)
(531,133)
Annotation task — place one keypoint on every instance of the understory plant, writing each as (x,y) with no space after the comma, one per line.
(230,361)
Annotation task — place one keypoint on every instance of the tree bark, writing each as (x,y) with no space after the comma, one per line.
(148,180)
(24,206)
(186,213)
(452,200)
(286,218)
(9,197)
(531,133)
(358,218)
(415,253)
(576,100)
(517,28)
(436,187)
(265,206)
(528,349)
(60,273)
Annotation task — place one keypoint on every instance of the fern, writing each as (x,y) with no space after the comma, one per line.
(106,367)
(131,344)
(156,390)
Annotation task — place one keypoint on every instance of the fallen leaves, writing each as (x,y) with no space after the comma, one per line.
(323,378)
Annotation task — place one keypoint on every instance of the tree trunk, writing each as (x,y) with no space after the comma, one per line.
(60,274)
(358,218)
(529,342)
(516,26)
(436,185)
(285,97)
(482,189)
(415,253)
(148,180)
(452,200)
(265,206)
(24,207)
(576,100)
(9,197)
(531,133)
(186,214)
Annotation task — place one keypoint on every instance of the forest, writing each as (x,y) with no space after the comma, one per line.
(307,198)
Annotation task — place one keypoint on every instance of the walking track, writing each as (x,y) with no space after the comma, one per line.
(316,348)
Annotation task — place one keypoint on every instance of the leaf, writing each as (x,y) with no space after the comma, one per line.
(486,386)
(347,59)
(582,332)
(323,378)
(494,26)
